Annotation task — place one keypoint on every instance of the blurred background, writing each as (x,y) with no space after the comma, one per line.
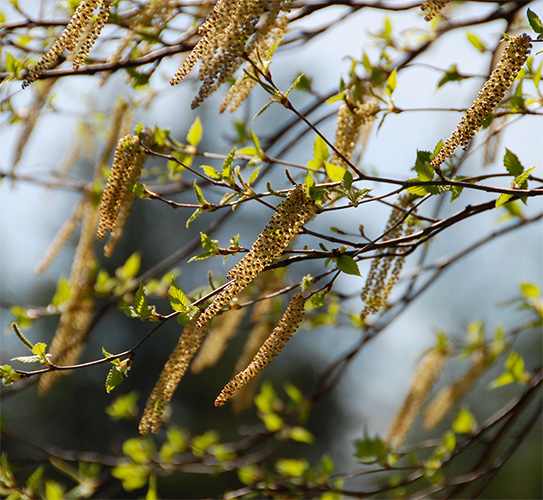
(478,288)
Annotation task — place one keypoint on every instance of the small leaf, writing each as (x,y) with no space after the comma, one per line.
(529,290)
(62,293)
(320,154)
(465,422)
(301,435)
(535,21)
(348,265)
(130,268)
(124,407)
(195,132)
(334,172)
(503,199)
(211,172)
(114,378)
(476,41)
(512,163)
(200,195)
(392,81)
(291,467)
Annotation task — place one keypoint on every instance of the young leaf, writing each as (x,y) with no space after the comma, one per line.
(195,132)
(465,422)
(348,265)
(392,81)
(535,21)
(512,163)
(334,172)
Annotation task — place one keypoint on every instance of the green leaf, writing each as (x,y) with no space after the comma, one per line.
(451,75)
(465,422)
(201,443)
(503,199)
(504,379)
(139,450)
(195,132)
(535,21)
(348,265)
(124,407)
(53,490)
(529,290)
(512,163)
(132,476)
(476,41)
(392,81)
(301,435)
(249,474)
(320,154)
(200,195)
(291,467)
(193,217)
(272,421)
(334,172)
(514,364)
(39,349)
(152,493)
(62,293)
(140,309)
(176,442)
(266,398)
(130,267)
(211,172)
(8,375)
(114,378)
(424,170)
(521,181)
(370,449)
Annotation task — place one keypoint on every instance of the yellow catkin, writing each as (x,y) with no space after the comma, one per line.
(432,8)
(169,379)
(217,339)
(273,345)
(92,32)
(491,94)
(60,239)
(117,197)
(265,46)
(227,35)
(262,321)
(68,40)
(29,123)
(349,125)
(385,271)
(447,397)
(78,312)
(283,227)
(426,373)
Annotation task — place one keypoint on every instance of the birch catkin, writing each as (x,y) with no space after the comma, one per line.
(274,344)
(117,197)
(78,37)
(491,94)
(447,397)
(426,374)
(78,312)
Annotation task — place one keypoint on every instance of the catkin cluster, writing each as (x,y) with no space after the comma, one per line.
(78,311)
(491,94)
(273,345)
(78,37)
(117,198)
(283,227)
(263,50)
(432,8)
(350,121)
(426,374)
(228,34)
(385,271)
(447,397)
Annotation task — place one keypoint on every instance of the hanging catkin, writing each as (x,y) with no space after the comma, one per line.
(491,94)
(274,344)
(78,311)
(78,37)
(447,397)
(349,124)
(118,196)
(426,374)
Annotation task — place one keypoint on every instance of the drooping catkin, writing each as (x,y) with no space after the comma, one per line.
(273,345)
(78,37)
(385,271)
(216,341)
(283,227)
(349,124)
(77,313)
(171,375)
(426,373)
(447,397)
(227,35)
(491,94)
(432,8)
(30,120)
(262,321)
(117,196)
(261,54)
(60,239)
